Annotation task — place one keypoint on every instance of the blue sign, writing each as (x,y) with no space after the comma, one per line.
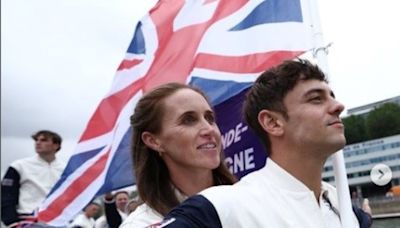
(244,153)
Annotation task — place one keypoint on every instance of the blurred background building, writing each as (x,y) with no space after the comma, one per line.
(373,135)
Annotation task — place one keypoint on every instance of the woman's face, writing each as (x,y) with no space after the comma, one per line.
(189,137)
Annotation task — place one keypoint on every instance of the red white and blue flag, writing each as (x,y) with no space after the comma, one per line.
(218,45)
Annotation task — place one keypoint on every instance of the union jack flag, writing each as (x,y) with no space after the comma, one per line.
(218,45)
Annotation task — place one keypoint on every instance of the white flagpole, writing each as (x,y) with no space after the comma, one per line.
(320,52)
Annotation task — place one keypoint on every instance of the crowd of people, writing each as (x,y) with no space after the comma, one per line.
(181,177)
(114,209)
(27,182)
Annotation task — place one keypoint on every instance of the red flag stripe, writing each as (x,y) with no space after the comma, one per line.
(127,64)
(241,64)
(106,114)
(171,50)
(73,190)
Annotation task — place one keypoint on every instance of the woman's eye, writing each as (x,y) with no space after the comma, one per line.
(188,120)
(210,118)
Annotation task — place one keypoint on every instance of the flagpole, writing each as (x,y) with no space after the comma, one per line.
(320,53)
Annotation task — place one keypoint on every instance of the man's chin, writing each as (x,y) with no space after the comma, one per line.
(338,144)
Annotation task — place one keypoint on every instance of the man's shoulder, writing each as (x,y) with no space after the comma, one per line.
(23,161)
(101,222)
(142,216)
(78,219)
(250,184)
(144,209)
(59,163)
(27,159)
(227,200)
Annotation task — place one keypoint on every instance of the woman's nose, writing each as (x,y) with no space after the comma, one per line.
(207,127)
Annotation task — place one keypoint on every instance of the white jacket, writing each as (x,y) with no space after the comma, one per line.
(144,215)
(37,178)
(272,197)
(269,197)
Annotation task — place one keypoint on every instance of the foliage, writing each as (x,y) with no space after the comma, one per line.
(383,121)
(355,130)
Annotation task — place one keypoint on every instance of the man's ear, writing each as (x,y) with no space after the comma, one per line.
(271,122)
(151,141)
(56,147)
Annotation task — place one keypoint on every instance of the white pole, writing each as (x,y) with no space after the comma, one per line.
(320,52)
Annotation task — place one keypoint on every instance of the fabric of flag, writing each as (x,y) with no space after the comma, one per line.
(220,46)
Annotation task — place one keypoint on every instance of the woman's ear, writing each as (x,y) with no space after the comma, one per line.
(151,141)
(271,122)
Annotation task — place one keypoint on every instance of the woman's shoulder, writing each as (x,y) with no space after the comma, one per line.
(142,216)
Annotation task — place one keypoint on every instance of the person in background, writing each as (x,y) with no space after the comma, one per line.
(355,199)
(113,216)
(133,204)
(177,150)
(359,202)
(295,114)
(27,181)
(86,218)
(115,210)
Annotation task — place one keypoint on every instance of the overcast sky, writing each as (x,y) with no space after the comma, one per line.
(59,59)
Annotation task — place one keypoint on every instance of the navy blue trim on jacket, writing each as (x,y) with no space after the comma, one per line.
(9,196)
(196,211)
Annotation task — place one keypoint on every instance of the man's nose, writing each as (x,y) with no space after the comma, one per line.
(337,107)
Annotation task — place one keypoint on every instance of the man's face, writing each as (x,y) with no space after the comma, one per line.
(121,200)
(44,145)
(314,122)
(92,210)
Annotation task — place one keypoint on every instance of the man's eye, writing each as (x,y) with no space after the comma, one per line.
(316,99)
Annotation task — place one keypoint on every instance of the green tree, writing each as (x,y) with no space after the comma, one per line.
(383,121)
(355,130)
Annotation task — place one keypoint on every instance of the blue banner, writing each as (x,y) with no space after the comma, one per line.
(244,153)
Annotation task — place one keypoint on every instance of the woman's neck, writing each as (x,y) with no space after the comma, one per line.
(191,182)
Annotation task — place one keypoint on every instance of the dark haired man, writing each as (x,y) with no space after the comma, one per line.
(86,218)
(295,114)
(28,181)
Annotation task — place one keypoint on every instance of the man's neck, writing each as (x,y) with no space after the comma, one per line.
(305,169)
(48,157)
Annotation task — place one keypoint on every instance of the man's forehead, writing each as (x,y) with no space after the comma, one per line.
(308,86)
(43,137)
(303,89)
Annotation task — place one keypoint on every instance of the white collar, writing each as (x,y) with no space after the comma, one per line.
(281,178)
